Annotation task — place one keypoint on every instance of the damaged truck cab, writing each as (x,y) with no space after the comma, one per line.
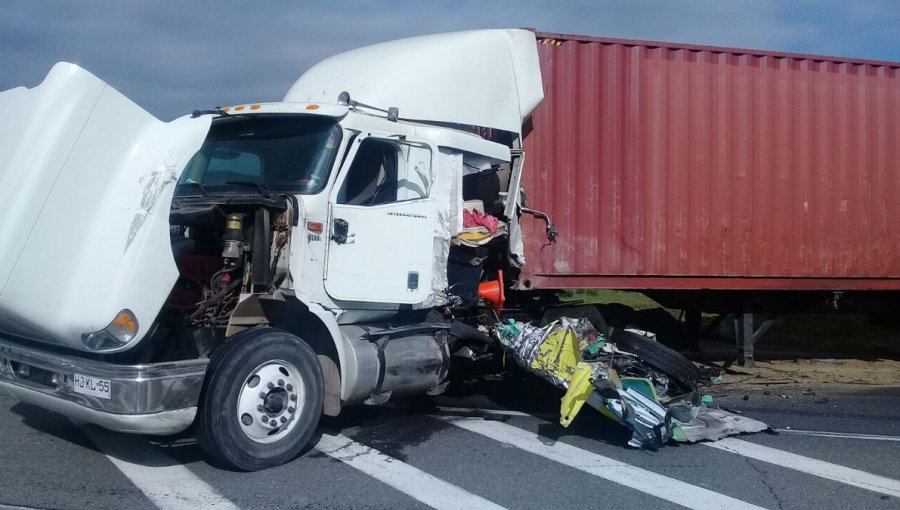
(249,268)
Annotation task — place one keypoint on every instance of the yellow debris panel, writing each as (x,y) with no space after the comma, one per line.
(558,354)
(580,388)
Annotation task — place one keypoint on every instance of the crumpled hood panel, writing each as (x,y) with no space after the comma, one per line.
(86,181)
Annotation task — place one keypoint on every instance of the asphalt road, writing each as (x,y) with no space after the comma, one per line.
(489,443)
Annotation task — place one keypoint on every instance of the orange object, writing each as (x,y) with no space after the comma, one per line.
(493,292)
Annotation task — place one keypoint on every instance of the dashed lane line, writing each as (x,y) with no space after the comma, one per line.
(808,465)
(475,410)
(168,484)
(554,417)
(820,468)
(648,482)
(839,435)
(407,479)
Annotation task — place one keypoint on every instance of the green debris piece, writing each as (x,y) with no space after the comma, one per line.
(717,378)
(706,399)
(594,348)
(641,385)
(509,331)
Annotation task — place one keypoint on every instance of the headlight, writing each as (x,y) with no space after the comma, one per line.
(120,331)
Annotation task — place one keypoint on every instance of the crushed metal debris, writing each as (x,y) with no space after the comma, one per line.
(625,375)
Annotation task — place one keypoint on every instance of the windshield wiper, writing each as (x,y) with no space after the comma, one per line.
(262,188)
(201,187)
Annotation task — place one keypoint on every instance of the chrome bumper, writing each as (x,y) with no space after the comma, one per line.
(158,398)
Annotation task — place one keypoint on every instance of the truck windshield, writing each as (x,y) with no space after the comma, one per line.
(289,153)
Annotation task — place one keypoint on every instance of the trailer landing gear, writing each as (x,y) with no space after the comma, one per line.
(747,333)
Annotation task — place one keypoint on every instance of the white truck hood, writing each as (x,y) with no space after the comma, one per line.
(488,78)
(86,182)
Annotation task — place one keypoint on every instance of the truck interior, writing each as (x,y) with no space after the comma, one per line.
(478,253)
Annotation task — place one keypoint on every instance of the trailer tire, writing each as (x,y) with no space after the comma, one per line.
(261,372)
(589,312)
(658,356)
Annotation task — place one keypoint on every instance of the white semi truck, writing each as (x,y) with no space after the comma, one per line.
(248,268)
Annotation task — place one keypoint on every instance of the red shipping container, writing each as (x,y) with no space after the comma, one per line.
(669,166)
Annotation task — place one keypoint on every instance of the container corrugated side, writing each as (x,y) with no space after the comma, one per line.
(672,166)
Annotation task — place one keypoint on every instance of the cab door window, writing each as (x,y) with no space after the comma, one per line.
(384,172)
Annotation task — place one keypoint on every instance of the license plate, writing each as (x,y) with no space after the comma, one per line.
(93,386)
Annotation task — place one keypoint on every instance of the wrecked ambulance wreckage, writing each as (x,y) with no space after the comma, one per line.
(246,270)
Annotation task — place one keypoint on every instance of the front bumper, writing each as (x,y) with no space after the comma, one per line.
(157,398)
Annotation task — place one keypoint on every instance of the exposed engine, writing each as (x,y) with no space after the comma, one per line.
(223,250)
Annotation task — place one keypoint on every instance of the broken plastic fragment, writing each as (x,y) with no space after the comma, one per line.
(509,331)
(580,388)
(641,385)
(596,346)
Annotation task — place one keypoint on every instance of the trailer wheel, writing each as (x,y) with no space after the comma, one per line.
(262,400)
(589,312)
(658,356)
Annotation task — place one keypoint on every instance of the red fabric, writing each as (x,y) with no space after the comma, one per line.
(479,219)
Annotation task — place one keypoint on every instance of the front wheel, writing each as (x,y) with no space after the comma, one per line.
(262,401)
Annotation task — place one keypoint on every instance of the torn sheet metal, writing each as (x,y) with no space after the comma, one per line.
(571,354)
(86,181)
(713,424)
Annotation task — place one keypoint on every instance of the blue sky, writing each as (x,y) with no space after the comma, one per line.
(172,57)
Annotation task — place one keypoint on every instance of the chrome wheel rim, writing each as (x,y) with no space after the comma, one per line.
(268,406)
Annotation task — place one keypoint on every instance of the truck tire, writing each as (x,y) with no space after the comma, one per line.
(262,400)
(589,312)
(658,356)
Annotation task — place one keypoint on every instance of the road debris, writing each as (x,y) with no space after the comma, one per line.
(627,376)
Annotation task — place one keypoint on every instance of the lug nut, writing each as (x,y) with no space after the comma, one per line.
(273,423)
(291,410)
(283,419)
(281,382)
(290,387)
(270,385)
(263,419)
(262,394)
(260,408)
(293,398)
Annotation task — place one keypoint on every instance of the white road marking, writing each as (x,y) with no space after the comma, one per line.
(838,435)
(407,479)
(555,417)
(648,482)
(849,476)
(499,412)
(507,412)
(169,485)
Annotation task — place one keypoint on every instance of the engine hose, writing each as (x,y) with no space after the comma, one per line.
(212,279)
(215,298)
